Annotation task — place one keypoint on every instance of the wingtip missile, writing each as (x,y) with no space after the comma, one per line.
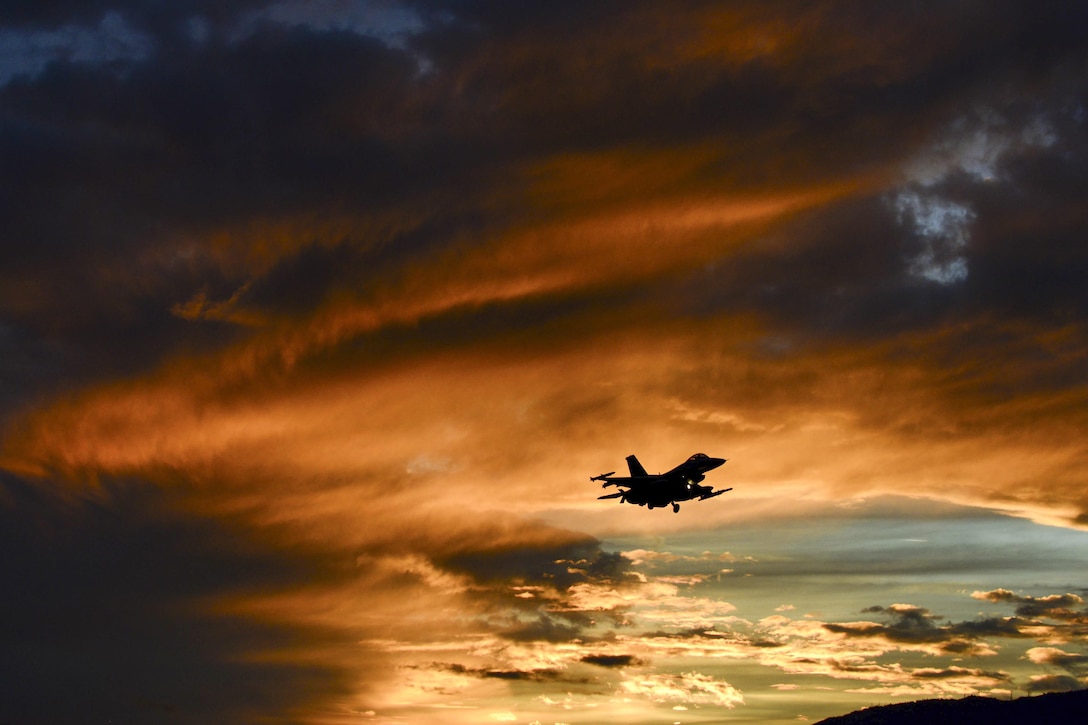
(601,477)
(705,496)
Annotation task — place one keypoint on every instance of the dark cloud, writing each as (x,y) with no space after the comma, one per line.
(218,136)
(959,672)
(908,624)
(613,660)
(558,567)
(123,179)
(1012,627)
(1054,683)
(549,576)
(535,675)
(848,270)
(545,628)
(106,602)
(1067,607)
(53,13)
(911,625)
(1073,662)
(833,80)
(237,129)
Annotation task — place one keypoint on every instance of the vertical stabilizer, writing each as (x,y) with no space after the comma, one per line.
(635,467)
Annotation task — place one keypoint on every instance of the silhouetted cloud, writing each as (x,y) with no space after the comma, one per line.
(541,675)
(106,605)
(612,660)
(1074,662)
(909,625)
(1054,683)
(1067,607)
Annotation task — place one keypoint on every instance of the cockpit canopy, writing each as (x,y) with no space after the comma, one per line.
(698,457)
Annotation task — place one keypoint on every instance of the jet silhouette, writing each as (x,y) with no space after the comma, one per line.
(661,489)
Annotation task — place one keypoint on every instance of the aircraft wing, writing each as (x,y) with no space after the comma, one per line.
(632,483)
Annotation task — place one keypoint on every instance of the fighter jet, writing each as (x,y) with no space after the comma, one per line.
(662,489)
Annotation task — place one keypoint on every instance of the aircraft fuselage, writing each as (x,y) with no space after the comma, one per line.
(664,489)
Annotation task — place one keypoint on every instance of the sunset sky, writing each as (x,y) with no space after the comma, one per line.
(316,316)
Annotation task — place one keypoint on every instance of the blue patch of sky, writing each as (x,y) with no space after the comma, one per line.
(391,23)
(839,563)
(387,21)
(26,53)
(942,226)
(834,565)
(974,146)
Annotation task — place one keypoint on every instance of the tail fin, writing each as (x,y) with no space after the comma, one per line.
(635,467)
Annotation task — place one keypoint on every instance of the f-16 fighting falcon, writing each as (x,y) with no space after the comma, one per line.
(662,489)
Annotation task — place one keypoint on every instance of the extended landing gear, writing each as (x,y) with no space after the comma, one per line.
(676,508)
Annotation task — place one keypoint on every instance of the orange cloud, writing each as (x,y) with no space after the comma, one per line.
(487,426)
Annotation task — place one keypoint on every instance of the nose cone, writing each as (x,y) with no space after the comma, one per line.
(712,463)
